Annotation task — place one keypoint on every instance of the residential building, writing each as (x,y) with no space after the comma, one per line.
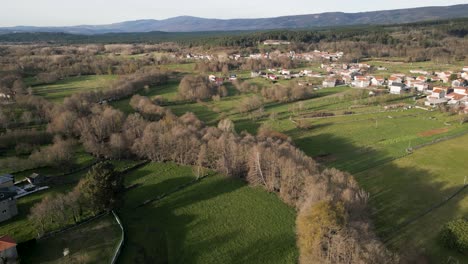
(8,251)
(329,82)
(397,88)
(378,81)
(8,207)
(36,179)
(421,86)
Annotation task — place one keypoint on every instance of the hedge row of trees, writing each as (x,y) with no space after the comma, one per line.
(101,190)
(269,160)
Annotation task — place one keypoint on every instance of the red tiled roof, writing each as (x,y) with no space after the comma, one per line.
(6,242)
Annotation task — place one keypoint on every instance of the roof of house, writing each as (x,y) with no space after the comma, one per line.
(6,178)
(6,242)
(437,90)
(396,84)
(456,96)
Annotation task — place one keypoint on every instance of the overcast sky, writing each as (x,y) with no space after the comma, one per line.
(73,12)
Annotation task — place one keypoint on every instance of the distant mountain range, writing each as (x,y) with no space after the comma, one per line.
(196,24)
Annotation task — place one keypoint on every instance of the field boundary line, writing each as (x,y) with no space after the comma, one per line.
(175,190)
(70,227)
(409,151)
(121,242)
(424,213)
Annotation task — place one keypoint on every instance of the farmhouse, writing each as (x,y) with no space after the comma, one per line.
(8,207)
(8,249)
(397,88)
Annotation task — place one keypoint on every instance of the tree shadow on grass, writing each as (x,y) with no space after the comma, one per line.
(146,227)
(407,202)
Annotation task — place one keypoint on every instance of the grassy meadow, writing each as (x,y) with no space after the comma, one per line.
(93,242)
(217,220)
(56,92)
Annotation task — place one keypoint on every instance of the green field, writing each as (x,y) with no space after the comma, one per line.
(56,92)
(93,242)
(402,189)
(217,220)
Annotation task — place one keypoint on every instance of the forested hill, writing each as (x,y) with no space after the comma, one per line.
(383,34)
(196,24)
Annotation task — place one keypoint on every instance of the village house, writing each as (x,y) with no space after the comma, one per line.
(421,78)
(285,72)
(420,86)
(8,251)
(272,77)
(361,82)
(437,97)
(394,79)
(232,77)
(455,98)
(397,88)
(8,207)
(456,83)
(329,82)
(460,90)
(36,179)
(444,76)
(465,75)
(378,81)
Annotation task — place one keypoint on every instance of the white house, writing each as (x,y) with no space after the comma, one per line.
(285,72)
(394,79)
(465,68)
(456,83)
(420,86)
(438,93)
(455,98)
(361,82)
(465,75)
(397,88)
(436,97)
(461,90)
(329,82)
(378,81)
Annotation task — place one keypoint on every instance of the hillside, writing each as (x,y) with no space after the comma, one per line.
(196,24)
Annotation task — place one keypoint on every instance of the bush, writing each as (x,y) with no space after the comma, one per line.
(455,235)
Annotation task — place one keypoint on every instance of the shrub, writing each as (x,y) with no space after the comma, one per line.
(455,235)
